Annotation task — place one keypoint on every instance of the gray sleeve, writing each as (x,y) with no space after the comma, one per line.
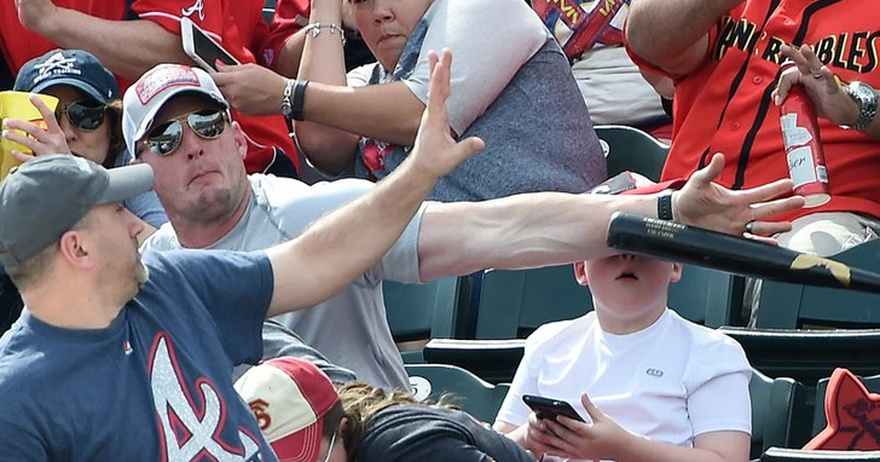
(400,263)
(279,341)
(490,40)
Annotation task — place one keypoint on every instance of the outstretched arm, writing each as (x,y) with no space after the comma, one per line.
(335,250)
(673,34)
(111,41)
(540,229)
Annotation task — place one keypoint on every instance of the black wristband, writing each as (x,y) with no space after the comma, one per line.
(299,93)
(664,205)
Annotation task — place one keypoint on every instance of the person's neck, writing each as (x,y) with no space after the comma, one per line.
(72,305)
(622,325)
(196,234)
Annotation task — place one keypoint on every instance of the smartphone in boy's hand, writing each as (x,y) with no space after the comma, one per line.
(549,408)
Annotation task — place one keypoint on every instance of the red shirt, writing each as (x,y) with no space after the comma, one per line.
(236,24)
(725,104)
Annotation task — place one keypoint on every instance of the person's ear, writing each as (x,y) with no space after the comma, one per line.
(240,139)
(677,270)
(580,273)
(74,248)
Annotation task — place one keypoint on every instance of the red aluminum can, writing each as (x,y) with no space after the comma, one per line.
(803,147)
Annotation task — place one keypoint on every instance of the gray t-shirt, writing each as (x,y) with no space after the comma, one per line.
(350,328)
(511,86)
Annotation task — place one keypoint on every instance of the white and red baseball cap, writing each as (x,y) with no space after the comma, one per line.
(290,398)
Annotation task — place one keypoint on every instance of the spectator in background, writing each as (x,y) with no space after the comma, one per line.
(652,384)
(512,87)
(304,418)
(613,87)
(132,36)
(87,121)
(88,124)
(213,204)
(117,345)
(726,56)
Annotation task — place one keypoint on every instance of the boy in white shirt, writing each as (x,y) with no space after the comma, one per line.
(654,386)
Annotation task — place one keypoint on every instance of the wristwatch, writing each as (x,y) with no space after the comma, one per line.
(866,98)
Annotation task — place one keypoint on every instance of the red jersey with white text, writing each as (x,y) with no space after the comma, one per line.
(725,105)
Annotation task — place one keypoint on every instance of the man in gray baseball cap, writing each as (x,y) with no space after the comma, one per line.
(47,196)
(106,364)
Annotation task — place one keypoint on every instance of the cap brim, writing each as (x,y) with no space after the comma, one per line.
(78,84)
(127,182)
(147,121)
(302,446)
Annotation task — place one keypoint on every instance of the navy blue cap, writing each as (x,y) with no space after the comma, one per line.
(75,68)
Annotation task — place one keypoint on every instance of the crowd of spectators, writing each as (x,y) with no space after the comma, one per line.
(172,226)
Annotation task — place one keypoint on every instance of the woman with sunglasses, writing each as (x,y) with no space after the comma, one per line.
(86,122)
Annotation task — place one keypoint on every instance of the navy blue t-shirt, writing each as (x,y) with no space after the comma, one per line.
(155,385)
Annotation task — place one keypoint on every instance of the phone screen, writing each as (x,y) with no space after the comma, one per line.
(209,51)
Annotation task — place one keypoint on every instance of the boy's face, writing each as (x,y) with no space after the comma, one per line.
(627,281)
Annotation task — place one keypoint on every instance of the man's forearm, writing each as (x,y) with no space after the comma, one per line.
(127,48)
(671,34)
(522,231)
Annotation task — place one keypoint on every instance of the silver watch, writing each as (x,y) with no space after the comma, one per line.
(866,98)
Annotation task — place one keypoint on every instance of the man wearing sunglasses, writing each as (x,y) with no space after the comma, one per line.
(87,121)
(116,358)
(175,121)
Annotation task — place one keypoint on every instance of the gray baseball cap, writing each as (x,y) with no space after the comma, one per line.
(45,197)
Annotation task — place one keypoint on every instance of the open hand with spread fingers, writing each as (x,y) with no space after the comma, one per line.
(820,83)
(706,204)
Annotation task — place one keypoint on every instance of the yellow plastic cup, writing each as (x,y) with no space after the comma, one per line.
(17,105)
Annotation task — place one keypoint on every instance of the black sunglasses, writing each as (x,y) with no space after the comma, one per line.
(85,115)
(163,139)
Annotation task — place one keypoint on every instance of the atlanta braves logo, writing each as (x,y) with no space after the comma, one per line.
(197,7)
(188,431)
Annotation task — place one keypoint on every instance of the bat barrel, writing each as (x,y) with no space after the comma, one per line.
(669,240)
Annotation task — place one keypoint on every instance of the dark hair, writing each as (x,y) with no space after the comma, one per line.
(113,116)
(361,402)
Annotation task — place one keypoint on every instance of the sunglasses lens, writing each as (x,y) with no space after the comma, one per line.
(207,124)
(165,138)
(85,116)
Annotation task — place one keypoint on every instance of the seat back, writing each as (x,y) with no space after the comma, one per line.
(419,312)
(779,413)
(791,306)
(628,148)
(515,303)
(474,395)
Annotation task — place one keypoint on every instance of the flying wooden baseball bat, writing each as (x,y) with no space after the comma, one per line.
(673,241)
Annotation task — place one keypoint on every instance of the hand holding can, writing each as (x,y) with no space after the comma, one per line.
(803,147)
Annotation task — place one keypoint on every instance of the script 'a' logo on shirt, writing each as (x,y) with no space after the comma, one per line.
(191,429)
(197,7)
